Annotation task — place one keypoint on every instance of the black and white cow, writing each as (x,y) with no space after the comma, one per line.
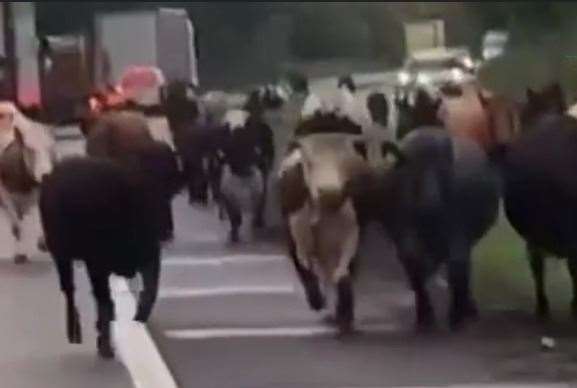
(246,156)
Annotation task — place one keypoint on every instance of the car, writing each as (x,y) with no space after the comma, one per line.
(494,44)
(432,68)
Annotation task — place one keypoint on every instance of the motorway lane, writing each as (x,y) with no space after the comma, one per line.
(236,317)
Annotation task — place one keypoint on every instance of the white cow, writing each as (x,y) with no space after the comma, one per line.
(26,155)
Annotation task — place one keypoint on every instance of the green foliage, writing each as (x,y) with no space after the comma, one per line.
(325,32)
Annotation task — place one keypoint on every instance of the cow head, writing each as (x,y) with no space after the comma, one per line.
(328,163)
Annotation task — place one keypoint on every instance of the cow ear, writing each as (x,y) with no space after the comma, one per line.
(361,148)
(388,147)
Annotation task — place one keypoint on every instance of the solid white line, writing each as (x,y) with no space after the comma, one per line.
(495,385)
(224,291)
(135,346)
(188,261)
(268,332)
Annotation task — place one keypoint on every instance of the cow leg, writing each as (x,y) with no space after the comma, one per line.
(459,267)
(196,181)
(537,261)
(260,202)
(408,253)
(572,264)
(20,256)
(166,220)
(150,279)
(66,277)
(234,216)
(308,279)
(345,308)
(104,310)
(425,312)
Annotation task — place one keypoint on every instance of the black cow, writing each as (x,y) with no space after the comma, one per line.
(437,203)
(540,187)
(246,156)
(114,219)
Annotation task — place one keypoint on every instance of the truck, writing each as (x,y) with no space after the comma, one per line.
(424,34)
(163,38)
(19,75)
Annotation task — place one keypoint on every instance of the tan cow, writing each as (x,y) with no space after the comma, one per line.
(319,210)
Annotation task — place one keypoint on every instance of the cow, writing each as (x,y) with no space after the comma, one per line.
(124,137)
(112,218)
(421,113)
(26,155)
(246,156)
(489,119)
(318,208)
(436,203)
(540,188)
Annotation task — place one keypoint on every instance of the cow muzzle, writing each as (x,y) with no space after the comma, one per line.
(330,200)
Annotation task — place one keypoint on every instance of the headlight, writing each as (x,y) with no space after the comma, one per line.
(468,63)
(404,78)
(457,75)
(423,79)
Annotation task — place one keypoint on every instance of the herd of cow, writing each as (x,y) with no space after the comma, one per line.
(452,161)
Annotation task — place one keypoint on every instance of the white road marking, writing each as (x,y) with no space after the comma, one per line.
(206,292)
(496,385)
(188,261)
(268,332)
(135,346)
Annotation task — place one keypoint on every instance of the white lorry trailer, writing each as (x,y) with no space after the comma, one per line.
(162,38)
(423,35)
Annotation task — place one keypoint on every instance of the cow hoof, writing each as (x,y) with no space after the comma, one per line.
(20,259)
(316,302)
(105,349)
(543,314)
(16,232)
(329,320)
(141,317)
(234,238)
(345,329)
(456,322)
(426,324)
(472,312)
(258,224)
(42,247)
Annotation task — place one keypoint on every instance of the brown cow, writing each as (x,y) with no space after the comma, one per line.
(321,217)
